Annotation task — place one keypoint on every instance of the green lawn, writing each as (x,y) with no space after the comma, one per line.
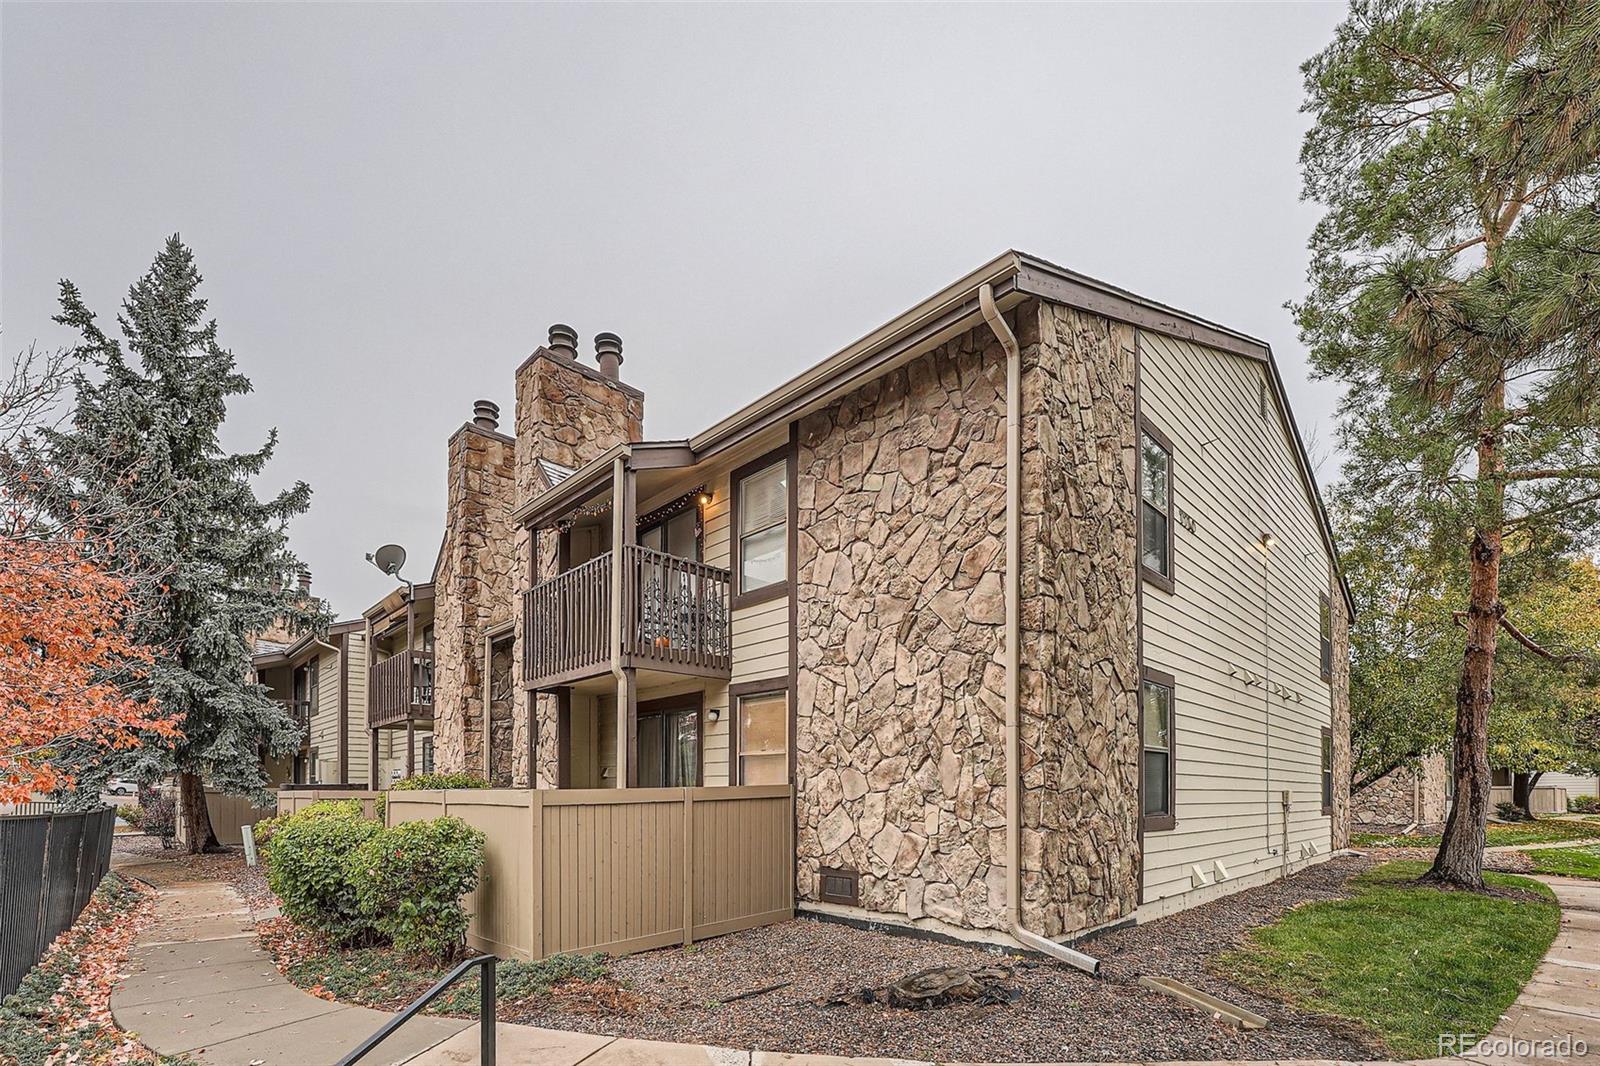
(1405,961)
(1541,831)
(1567,862)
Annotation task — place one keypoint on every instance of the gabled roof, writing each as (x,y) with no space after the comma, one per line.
(555,473)
(1013,277)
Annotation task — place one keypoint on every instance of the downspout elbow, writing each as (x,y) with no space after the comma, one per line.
(1013,645)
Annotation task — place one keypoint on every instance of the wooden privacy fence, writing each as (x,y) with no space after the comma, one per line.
(1542,799)
(295,799)
(619,870)
(50,864)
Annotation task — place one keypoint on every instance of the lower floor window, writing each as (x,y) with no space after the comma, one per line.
(427,755)
(1157,770)
(764,738)
(1327,770)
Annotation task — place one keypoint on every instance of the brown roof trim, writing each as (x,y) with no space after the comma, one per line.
(1039,277)
(590,372)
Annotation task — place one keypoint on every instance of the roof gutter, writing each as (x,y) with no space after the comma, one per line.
(1013,645)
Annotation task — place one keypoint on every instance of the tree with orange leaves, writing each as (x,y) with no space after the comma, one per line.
(65,664)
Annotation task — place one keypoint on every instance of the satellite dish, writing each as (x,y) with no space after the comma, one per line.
(389,558)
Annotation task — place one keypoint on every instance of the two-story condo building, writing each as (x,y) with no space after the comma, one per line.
(1029,593)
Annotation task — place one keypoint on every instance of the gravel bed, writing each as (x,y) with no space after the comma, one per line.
(1062,1015)
(1497,859)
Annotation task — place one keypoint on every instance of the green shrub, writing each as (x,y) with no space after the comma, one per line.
(307,854)
(1583,804)
(1507,811)
(131,813)
(409,881)
(459,779)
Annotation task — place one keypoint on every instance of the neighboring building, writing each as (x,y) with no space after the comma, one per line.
(323,683)
(399,685)
(1412,795)
(827,588)
(1575,784)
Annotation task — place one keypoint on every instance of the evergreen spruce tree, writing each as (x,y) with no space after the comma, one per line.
(1456,292)
(141,465)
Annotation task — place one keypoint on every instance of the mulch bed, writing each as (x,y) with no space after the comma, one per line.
(1061,1015)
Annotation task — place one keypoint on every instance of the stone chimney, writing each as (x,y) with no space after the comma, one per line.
(474,589)
(608,353)
(569,411)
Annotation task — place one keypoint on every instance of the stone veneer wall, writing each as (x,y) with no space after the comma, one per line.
(567,413)
(474,589)
(1409,794)
(1340,725)
(1080,659)
(900,608)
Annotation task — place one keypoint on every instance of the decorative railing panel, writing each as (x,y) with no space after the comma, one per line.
(679,610)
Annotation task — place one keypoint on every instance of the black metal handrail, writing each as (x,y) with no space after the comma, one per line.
(485,1011)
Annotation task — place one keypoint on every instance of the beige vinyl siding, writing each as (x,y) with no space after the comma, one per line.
(356,645)
(1575,784)
(1237,610)
(760,634)
(325,718)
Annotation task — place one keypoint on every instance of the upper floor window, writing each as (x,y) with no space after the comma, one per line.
(761,529)
(1155,507)
(1158,768)
(1325,635)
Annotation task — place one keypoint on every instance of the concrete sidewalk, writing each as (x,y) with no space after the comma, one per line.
(1562,999)
(199,985)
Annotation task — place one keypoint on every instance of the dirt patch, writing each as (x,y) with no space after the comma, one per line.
(1060,1014)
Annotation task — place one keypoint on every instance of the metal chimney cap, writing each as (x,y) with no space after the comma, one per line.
(486,414)
(563,339)
(608,344)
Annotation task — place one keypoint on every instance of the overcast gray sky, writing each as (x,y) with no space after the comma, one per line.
(391,203)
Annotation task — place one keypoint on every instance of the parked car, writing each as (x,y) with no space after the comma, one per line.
(121,786)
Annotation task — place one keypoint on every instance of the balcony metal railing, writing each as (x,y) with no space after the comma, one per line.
(675,615)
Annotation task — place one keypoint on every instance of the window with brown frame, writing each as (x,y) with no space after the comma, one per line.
(1325,635)
(1155,507)
(1327,770)
(760,535)
(761,735)
(1158,763)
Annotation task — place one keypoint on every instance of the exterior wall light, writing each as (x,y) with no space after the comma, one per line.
(1268,540)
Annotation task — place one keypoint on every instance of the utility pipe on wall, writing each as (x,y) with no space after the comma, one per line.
(1013,646)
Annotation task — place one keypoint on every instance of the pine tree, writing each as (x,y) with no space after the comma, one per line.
(1456,292)
(141,463)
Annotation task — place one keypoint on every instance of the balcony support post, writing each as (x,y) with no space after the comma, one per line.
(623,534)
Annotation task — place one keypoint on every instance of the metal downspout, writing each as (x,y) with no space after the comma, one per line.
(1013,646)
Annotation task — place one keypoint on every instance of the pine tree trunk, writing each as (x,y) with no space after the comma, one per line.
(198,834)
(1460,859)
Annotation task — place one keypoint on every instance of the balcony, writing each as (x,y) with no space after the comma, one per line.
(300,711)
(675,615)
(402,689)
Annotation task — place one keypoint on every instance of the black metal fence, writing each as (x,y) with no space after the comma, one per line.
(50,864)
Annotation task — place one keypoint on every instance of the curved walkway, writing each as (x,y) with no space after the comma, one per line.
(199,985)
